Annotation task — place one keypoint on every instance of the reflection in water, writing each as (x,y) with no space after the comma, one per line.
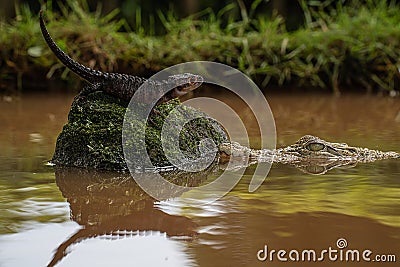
(29,198)
(290,210)
(306,165)
(296,212)
(370,190)
(244,233)
(112,205)
(319,167)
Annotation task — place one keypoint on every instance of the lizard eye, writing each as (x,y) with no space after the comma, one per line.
(180,88)
(315,146)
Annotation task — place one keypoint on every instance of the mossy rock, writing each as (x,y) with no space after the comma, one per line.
(92,138)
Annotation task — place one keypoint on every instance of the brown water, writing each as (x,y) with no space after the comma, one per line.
(71,217)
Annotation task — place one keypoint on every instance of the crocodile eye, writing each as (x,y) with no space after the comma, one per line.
(315,146)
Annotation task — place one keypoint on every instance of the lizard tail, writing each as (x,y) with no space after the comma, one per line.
(90,75)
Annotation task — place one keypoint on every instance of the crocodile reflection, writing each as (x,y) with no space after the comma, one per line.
(113,206)
(308,166)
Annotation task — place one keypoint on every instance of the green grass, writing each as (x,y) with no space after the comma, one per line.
(352,46)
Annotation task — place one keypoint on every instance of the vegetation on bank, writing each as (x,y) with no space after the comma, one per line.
(347,46)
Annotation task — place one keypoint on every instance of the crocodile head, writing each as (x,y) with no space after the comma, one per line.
(309,150)
(233,150)
(315,147)
(305,148)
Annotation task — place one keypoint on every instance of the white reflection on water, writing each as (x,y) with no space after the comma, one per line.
(147,250)
(36,247)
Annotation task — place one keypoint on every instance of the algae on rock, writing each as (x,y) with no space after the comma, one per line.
(92,137)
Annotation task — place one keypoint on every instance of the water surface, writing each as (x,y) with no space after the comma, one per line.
(82,218)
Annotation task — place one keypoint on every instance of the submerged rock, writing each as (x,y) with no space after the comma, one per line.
(92,138)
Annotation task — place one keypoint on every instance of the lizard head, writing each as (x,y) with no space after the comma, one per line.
(181,84)
(184,83)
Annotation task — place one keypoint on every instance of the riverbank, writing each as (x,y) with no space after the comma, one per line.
(341,49)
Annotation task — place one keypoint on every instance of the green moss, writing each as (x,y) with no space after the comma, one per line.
(93,135)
